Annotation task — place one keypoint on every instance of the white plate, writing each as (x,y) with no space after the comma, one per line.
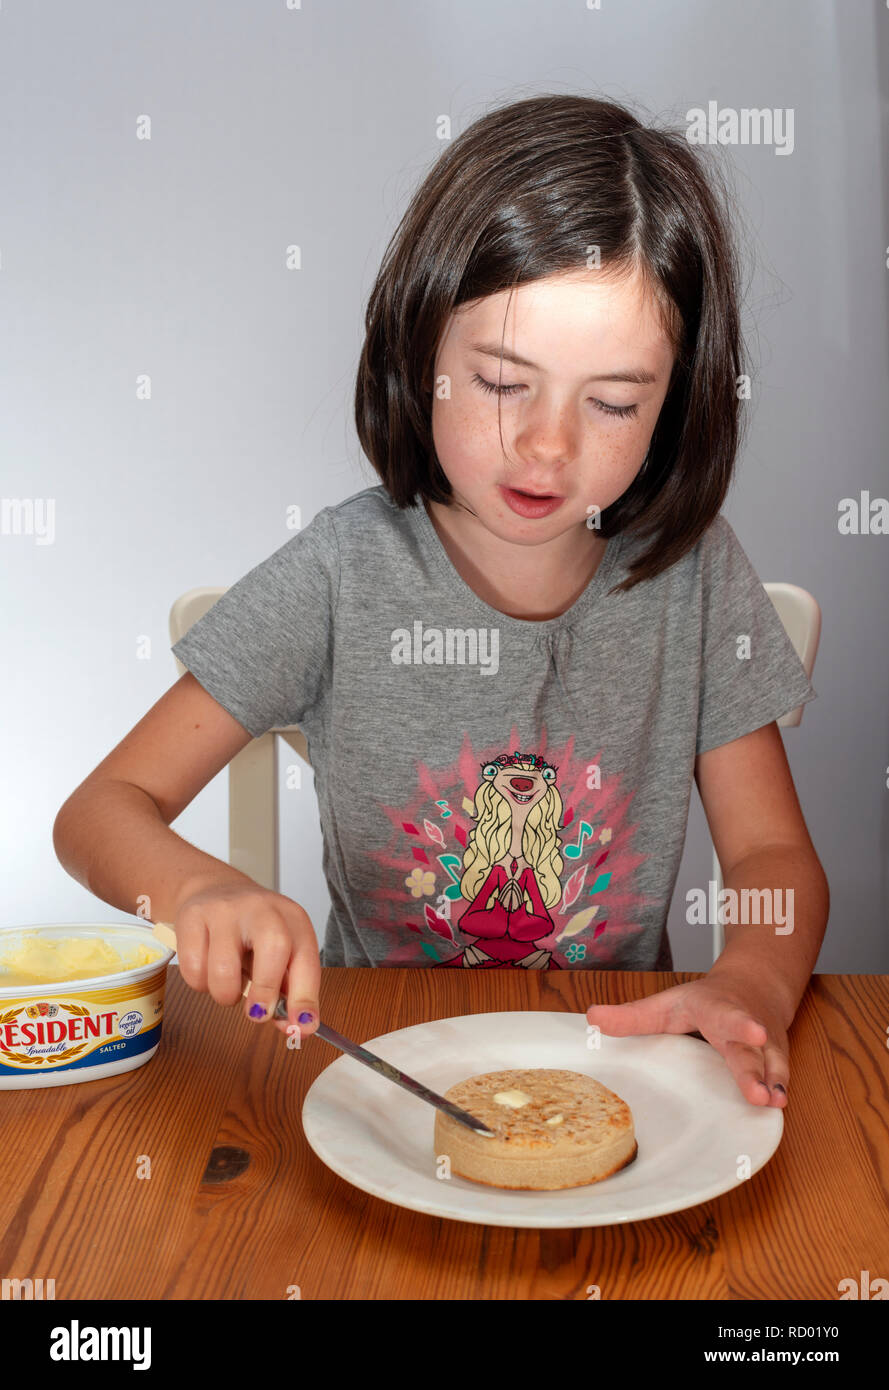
(697,1135)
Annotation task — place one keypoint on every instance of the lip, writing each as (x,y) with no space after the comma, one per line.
(531,505)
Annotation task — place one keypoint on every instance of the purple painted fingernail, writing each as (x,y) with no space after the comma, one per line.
(306,1018)
(257,1011)
(778,1087)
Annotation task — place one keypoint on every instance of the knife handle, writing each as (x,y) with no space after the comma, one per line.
(165,934)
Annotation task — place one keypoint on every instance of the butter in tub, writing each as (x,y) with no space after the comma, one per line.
(43,960)
(78,1002)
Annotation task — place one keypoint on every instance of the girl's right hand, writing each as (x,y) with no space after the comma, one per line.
(229,929)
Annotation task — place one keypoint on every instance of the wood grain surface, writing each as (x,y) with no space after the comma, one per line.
(238,1206)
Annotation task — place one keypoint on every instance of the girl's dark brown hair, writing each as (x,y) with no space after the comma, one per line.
(523,194)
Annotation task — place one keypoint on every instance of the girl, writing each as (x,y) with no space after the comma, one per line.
(510,657)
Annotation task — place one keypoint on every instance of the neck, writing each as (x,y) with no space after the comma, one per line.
(533,582)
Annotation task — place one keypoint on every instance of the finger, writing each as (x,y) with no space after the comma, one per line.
(669,1011)
(777,1075)
(285,1025)
(271,944)
(748,1067)
(224,963)
(302,1014)
(192,948)
(723,1022)
(304,981)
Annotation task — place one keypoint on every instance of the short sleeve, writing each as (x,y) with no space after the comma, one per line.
(265,648)
(741,692)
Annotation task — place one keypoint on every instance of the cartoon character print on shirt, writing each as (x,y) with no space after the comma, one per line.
(511,865)
(475,876)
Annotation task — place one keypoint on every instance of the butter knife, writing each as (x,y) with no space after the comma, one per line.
(166,935)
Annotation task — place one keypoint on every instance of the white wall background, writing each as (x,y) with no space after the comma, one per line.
(273,125)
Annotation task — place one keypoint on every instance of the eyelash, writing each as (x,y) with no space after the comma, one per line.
(620,410)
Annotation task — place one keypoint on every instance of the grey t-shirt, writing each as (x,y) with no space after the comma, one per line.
(495,792)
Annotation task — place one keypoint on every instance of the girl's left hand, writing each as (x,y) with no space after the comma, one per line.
(745,1028)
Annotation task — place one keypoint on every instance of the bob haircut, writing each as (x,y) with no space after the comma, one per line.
(526,192)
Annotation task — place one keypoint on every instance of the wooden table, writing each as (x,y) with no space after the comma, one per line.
(238,1206)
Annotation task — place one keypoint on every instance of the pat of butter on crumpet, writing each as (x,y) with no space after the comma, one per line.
(551,1129)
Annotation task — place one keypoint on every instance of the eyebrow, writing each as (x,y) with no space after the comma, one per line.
(637,376)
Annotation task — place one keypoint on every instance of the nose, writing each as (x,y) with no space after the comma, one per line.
(550,439)
(521,784)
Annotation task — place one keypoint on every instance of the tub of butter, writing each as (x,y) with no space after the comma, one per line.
(78,1001)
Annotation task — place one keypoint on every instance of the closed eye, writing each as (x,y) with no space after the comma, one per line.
(491,388)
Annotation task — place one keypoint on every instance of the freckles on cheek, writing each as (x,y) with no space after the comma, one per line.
(611,468)
(620,458)
(460,433)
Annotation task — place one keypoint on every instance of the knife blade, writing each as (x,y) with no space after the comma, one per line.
(166,935)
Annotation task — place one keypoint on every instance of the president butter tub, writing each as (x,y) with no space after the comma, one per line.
(78,1001)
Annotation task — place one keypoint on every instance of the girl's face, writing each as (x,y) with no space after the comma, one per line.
(569,431)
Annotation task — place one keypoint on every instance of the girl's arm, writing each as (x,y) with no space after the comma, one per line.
(763,844)
(112,834)
(745,1004)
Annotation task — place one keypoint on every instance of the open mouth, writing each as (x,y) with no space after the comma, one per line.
(520,796)
(531,505)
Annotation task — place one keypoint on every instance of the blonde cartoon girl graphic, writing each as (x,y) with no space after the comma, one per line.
(511,865)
